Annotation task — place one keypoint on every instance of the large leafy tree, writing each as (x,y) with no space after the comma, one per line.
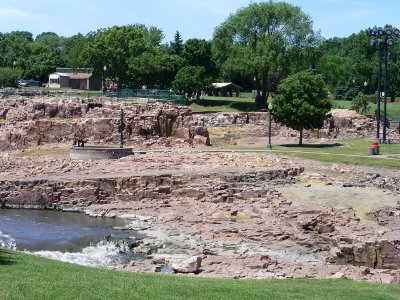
(190,80)
(114,47)
(336,70)
(198,53)
(301,102)
(43,60)
(262,40)
(15,47)
(154,69)
(74,46)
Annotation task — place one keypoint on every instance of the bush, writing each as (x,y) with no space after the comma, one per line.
(360,103)
(9,77)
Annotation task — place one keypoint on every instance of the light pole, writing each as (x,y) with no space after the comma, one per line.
(364,109)
(254,87)
(104,79)
(269,147)
(388,42)
(121,127)
(354,85)
(382,45)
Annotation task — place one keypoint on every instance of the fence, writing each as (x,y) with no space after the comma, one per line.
(139,96)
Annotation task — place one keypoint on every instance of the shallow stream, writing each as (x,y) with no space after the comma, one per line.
(65,236)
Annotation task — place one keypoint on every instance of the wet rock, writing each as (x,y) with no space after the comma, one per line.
(121,246)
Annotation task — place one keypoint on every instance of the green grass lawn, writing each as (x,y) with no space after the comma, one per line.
(393,108)
(28,277)
(244,103)
(346,151)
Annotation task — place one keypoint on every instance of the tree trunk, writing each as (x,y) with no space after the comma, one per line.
(301,137)
(264,94)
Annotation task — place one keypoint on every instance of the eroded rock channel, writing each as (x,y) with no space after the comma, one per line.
(243,214)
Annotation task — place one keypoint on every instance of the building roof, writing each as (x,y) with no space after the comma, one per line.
(71,75)
(223,85)
(80,75)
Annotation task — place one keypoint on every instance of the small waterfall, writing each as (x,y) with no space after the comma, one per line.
(103,254)
(7,242)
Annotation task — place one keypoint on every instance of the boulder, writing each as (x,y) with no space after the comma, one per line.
(190,265)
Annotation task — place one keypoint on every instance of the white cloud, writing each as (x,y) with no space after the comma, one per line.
(13,13)
(221,7)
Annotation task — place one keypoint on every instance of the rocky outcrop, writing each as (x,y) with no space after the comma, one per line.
(37,121)
(85,192)
(340,124)
(381,254)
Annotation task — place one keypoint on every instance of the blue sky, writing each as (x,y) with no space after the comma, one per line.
(192,18)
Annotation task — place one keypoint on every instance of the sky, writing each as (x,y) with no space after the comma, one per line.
(192,18)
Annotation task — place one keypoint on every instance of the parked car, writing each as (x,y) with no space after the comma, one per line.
(26,83)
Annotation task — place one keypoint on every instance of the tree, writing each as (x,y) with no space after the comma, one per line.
(43,61)
(74,47)
(264,39)
(177,45)
(15,46)
(190,80)
(336,70)
(9,77)
(115,47)
(198,52)
(301,102)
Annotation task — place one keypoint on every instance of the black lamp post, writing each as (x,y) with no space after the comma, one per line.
(121,128)
(389,42)
(254,87)
(269,147)
(104,79)
(382,46)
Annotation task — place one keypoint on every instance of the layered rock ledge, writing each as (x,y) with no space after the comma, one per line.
(244,214)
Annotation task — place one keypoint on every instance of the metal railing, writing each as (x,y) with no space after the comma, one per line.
(139,96)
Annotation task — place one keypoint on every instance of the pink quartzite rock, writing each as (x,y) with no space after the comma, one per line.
(190,265)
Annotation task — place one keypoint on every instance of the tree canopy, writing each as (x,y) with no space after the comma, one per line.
(256,47)
(261,40)
(301,102)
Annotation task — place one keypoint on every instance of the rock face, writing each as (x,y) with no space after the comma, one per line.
(37,121)
(85,192)
(341,124)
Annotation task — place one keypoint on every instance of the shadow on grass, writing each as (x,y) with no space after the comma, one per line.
(238,105)
(312,146)
(244,106)
(5,258)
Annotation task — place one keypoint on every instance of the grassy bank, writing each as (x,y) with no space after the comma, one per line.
(245,103)
(347,151)
(28,277)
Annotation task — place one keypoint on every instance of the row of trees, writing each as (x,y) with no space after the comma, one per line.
(256,48)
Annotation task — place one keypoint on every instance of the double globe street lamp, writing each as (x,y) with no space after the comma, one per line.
(382,37)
